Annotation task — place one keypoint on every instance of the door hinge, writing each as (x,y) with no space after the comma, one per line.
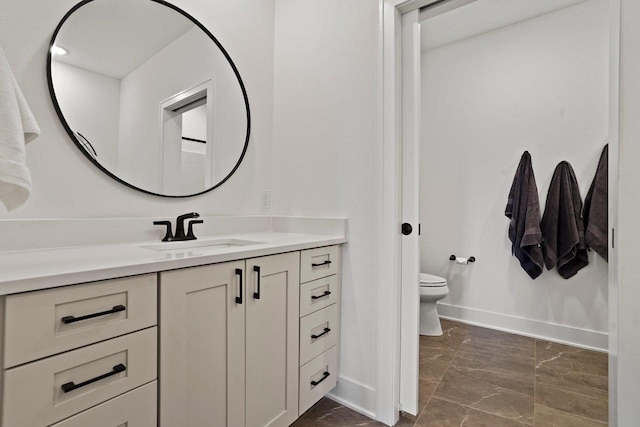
(419,229)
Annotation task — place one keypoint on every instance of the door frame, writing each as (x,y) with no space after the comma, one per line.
(390,163)
(390,116)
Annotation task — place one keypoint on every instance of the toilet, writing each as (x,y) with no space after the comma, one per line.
(432,289)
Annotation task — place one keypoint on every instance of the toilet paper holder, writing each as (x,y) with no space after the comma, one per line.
(461,260)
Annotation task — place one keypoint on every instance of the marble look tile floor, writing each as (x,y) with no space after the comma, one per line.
(477,377)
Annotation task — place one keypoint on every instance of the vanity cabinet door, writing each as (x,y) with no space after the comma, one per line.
(272,340)
(202,346)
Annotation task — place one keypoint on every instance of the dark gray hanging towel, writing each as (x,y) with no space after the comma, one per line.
(562,227)
(596,206)
(523,208)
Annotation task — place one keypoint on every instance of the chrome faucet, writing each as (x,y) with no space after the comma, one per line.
(180,235)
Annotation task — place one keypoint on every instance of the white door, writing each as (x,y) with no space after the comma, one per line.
(410,293)
(272,325)
(202,339)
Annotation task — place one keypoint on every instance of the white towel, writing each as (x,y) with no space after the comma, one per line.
(17,127)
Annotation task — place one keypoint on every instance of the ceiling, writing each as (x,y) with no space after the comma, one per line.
(481,16)
(114,37)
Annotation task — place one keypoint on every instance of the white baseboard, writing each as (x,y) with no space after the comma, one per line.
(577,337)
(356,396)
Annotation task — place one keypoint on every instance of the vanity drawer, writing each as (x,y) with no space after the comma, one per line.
(323,325)
(136,408)
(319,262)
(318,294)
(317,378)
(43,323)
(36,394)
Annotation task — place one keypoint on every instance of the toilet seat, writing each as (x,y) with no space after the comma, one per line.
(432,281)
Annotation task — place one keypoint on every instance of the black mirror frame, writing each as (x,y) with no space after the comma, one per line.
(63,120)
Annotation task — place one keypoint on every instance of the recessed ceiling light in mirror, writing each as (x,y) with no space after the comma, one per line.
(57,50)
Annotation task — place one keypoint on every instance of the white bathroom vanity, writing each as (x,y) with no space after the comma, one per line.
(233,329)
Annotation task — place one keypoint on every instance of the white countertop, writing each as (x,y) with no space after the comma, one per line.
(33,269)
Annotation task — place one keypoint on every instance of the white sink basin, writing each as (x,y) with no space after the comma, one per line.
(199,244)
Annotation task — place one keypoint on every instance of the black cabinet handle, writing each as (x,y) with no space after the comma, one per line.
(324,377)
(327,262)
(70,386)
(256,295)
(239,274)
(326,331)
(326,293)
(72,319)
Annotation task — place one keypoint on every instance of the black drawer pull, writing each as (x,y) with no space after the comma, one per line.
(239,274)
(327,262)
(73,319)
(326,294)
(326,331)
(256,295)
(324,377)
(70,386)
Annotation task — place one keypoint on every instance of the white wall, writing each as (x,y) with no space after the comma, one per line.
(90,102)
(194,154)
(540,85)
(326,95)
(65,184)
(193,174)
(194,125)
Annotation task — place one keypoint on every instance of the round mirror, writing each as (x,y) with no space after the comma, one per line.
(149,95)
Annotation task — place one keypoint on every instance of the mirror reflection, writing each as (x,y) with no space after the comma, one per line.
(149,95)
